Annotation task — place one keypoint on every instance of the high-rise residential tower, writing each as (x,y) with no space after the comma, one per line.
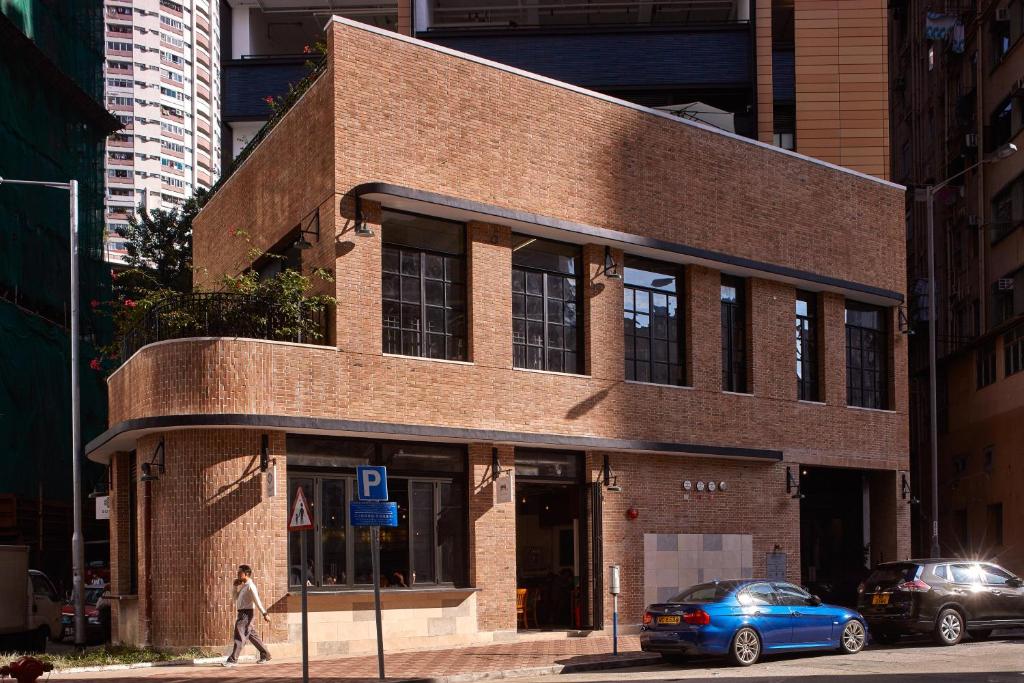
(162,79)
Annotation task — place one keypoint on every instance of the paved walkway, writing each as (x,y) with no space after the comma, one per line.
(529,657)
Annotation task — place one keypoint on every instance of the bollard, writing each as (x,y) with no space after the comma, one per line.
(25,669)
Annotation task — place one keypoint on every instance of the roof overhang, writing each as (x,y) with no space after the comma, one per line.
(122,437)
(454,208)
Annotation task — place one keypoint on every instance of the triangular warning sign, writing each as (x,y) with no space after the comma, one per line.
(300,518)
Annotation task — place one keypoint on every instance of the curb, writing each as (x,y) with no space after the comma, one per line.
(202,661)
(631,660)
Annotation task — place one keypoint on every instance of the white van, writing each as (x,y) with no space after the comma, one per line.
(30,609)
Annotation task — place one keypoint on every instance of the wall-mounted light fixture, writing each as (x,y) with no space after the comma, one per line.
(793,485)
(905,490)
(608,478)
(310,229)
(362,229)
(904,320)
(156,466)
(102,487)
(611,268)
(264,452)
(496,470)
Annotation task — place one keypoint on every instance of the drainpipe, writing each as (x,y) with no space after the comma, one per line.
(147,612)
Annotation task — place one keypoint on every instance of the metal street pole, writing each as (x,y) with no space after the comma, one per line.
(305,607)
(933,427)
(375,551)
(77,543)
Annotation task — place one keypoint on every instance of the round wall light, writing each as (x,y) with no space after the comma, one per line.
(687,485)
(700,486)
(712,486)
(722,486)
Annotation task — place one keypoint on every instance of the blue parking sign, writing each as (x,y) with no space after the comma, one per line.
(371,483)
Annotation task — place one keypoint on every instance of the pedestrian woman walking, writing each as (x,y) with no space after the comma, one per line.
(247,600)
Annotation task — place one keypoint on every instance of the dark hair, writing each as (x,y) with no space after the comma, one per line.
(245,569)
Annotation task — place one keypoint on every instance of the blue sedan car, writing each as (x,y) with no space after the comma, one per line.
(745,619)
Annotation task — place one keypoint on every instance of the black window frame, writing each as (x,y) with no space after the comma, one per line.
(1013,350)
(639,369)
(416,342)
(735,341)
(521,346)
(858,395)
(808,369)
(985,365)
(317,470)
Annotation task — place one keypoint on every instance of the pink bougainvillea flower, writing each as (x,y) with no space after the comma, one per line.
(306,49)
(130,303)
(268,99)
(95,364)
(94,303)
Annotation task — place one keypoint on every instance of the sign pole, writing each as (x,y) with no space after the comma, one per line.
(305,621)
(375,551)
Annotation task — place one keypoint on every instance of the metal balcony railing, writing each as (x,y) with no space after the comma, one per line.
(224,314)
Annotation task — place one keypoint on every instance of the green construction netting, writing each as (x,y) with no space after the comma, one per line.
(45,135)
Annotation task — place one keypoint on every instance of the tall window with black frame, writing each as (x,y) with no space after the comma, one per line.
(423,286)
(867,356)
(653,321)
(734,334)
(807,346)
(546,305)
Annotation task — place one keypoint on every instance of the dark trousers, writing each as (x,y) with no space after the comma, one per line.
(244,632)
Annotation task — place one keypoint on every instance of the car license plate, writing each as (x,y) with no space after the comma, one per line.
(880,599)
(668,620)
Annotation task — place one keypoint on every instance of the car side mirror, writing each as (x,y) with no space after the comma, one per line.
(1015,582)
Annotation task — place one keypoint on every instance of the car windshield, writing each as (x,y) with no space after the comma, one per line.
(892,574)
(704,592)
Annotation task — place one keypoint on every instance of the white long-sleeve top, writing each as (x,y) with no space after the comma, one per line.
(247,596)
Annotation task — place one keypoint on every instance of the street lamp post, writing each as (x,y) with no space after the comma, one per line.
(933,435)
(77,543)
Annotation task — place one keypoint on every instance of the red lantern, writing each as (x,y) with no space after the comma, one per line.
(632,513)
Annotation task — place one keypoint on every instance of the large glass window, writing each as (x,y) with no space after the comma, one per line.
(807,346)
(1013,351)
(985,364)
(867,356)
(734,334)
(653,321)
(423,286)
(427,481)
(546,305)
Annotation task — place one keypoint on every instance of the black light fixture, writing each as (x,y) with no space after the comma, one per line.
(362,229)
(793,485)
(904,320)
(611,268)
(905,490)
(609,478)
(496,470)
(152,470)
(310,229)
(102,486)
(264,452)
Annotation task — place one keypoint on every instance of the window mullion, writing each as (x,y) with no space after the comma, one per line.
(435,513)
(544,320)
(350,541)
(423,304)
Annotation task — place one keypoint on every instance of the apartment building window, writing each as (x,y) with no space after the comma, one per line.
(171,128)
(119,83)
(1001,40)
(172,146)
(734,334)
(118,28)
(124,66)
(172,76)
(173,58)
(429,545)
(173,94)
(1008,210)
(807,379)
(123,11)
(653,321)
(120,156)
(867,356)
(119,192)
(424,286)
(1013,350)
(117,173)
(118,45)
(985,364)
(173,23)
(994,524)
(171,5)
(546,305)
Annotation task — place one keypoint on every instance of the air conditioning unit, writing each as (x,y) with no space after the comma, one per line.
(1005,284)
(973,220)
(1003,14)
(971,140)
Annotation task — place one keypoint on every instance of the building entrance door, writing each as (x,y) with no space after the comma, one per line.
(552,538)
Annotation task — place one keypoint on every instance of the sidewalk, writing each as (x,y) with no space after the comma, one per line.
(506,660)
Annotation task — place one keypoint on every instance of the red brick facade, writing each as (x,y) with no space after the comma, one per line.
(391,110)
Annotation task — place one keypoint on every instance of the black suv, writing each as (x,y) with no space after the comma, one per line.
(942,597)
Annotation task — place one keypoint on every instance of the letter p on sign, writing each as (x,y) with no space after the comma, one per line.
(372,483)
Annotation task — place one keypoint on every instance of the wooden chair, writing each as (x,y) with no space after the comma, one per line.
(521,607)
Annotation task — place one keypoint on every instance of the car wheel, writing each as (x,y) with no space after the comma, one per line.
(884,637)
(949,627)
(853,637)
(746,647)
(980,633)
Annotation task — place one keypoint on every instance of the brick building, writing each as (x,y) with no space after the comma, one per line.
(958,80)
(608,297)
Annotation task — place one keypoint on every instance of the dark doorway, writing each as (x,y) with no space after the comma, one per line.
(551,541)
(834,532)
